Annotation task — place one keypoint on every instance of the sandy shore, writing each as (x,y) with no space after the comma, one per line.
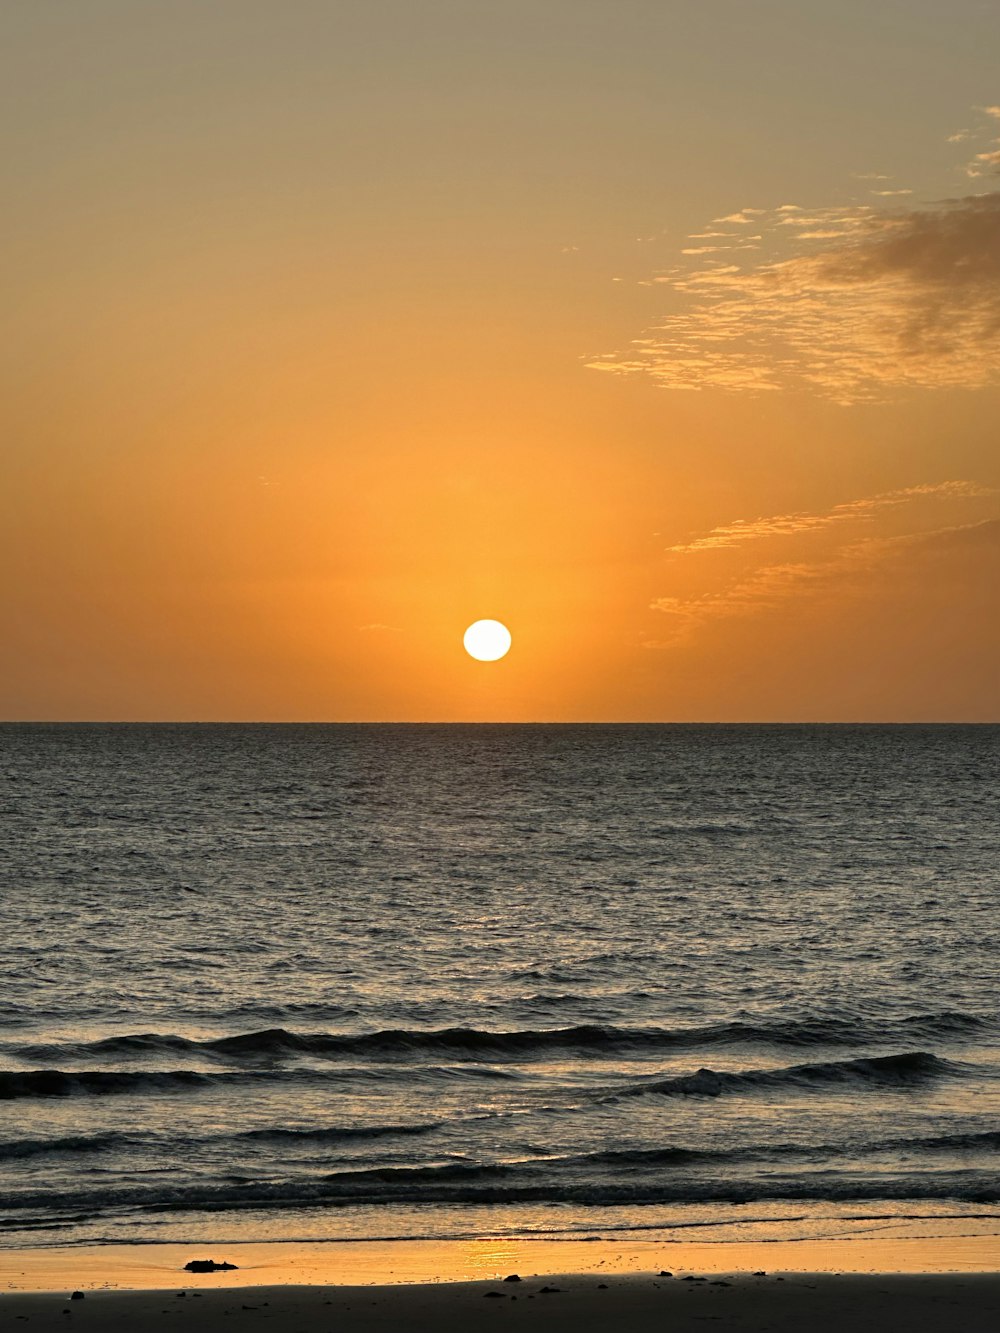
(962,1303)
(886,1245)
(948,1282)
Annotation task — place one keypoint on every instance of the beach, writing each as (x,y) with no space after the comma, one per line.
(420,1287)
(943,1282)
(500,717)
(888,1303)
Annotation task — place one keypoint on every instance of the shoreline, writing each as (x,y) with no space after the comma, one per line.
(951,1249)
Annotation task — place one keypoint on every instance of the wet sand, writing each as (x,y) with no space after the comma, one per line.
(949,1281)
(935,1245)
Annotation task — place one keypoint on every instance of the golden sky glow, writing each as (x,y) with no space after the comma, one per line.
(671,329)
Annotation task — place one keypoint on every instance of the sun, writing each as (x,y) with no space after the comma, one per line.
(487,640)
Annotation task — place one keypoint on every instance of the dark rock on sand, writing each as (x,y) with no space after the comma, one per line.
(512,1277)
(77,1296)
(206,1266)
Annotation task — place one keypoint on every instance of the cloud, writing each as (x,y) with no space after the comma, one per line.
(856,570)
(855,563)
(986,161)
(765,588)
(854,302)
(850,303)
(742,530)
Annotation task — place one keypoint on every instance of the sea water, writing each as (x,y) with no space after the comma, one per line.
(349,980)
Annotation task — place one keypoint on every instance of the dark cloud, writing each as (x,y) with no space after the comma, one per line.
(852,303)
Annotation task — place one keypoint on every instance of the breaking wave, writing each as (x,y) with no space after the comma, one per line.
(460,1043)
(881,1072)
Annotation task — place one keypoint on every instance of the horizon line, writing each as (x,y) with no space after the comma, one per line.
(493,722)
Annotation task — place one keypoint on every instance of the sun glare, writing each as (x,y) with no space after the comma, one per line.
(487,640)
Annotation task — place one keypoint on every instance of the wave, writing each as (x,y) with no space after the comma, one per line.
(886,1071)
(19,1149)
(472,1184)
(13,1149)
(876,1072)
(623,1159)
(337,1133)
(465,1043)
(96,1083)
(985,1141)
(120,1082)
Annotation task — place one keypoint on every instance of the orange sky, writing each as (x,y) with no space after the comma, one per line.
(666,334)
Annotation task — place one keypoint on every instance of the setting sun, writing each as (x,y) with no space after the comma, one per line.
(487,640)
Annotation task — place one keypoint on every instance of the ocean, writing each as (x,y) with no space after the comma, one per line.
(351,981)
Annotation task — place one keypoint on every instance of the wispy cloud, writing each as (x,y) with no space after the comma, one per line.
(742,530)
(764,589)
(986,161)
(855,569)
(850,302)
(846,564)
(867,301)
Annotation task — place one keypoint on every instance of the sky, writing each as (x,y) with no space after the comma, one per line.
(667,332)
